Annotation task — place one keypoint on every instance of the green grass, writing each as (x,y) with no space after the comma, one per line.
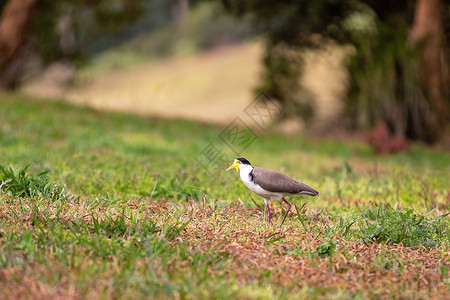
(127,211)
(21,184)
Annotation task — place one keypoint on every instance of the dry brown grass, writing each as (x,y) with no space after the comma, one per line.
(353,268)
(257,253)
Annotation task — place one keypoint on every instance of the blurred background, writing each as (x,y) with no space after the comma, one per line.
(335,67)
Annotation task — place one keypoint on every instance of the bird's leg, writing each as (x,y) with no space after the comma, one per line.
(287,211)
(269,214)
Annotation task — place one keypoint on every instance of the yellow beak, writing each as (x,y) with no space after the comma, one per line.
(234,165)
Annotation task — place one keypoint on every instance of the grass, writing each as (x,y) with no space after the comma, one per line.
(128,211)
(24,185)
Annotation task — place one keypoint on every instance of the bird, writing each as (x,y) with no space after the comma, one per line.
(270,184)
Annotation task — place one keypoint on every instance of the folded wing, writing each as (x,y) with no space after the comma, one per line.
(274,181)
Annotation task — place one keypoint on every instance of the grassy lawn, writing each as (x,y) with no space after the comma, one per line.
(130,208)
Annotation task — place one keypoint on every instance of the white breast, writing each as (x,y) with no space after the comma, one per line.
(244,172)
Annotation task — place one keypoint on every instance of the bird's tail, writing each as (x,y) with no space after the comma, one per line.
(307,190)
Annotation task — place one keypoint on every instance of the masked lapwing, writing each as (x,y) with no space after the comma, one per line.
(270,184)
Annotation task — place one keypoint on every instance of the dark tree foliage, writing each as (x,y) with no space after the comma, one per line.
(289,27)
(83,20)
(61,30)
(386,76)
(389,78)
(294,22)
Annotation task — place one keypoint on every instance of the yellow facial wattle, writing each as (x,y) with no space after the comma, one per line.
(234,165)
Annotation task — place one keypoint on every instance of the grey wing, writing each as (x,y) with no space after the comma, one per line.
(274,181)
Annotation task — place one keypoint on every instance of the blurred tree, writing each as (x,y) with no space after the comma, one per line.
(428,34)
(389,78)
(179,12)
(14,24)
(399,73)
(48,30)
(289,27)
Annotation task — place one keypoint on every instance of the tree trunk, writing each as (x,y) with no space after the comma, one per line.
(180,10)
(428,34)
(14,22)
